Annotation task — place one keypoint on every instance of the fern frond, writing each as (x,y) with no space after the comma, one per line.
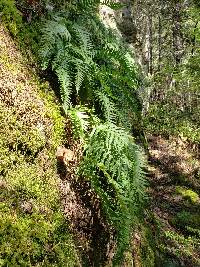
(114,164)
(108,107)
(53,32)
(66,86)
(80,121)
(84,38)
(81,71)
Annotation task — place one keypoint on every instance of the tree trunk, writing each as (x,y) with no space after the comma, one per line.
(176,32)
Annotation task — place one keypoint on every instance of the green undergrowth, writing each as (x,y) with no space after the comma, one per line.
(185,242)
(184,248)
(188,194)
(178,238)
(33,231)
(184,219)
(167,119)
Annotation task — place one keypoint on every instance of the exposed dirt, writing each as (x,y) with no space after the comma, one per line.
(173,163)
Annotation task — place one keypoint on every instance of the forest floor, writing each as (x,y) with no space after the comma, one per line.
(174,177)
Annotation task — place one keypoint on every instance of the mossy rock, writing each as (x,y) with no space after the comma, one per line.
(33,231)
(188,194)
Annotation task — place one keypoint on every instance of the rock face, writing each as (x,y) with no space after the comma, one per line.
(108,17)
(125,21)
(121,20)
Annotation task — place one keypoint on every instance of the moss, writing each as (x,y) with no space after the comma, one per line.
(53,112)
(34,240)
(188,194)
(33,231)
(10,16)
(34,236)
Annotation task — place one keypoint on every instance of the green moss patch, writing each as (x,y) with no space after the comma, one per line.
(188,194)
(10,16)
(33,231)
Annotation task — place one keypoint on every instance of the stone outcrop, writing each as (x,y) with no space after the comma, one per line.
(120,20)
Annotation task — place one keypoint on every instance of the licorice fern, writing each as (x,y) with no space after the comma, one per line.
(66,46)
(94,64)
(108,107)
(91,62)
(82,119)
(114,165)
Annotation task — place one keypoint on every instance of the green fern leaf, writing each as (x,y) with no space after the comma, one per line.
(115,166)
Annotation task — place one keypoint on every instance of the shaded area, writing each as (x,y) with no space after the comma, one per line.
(82,208)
